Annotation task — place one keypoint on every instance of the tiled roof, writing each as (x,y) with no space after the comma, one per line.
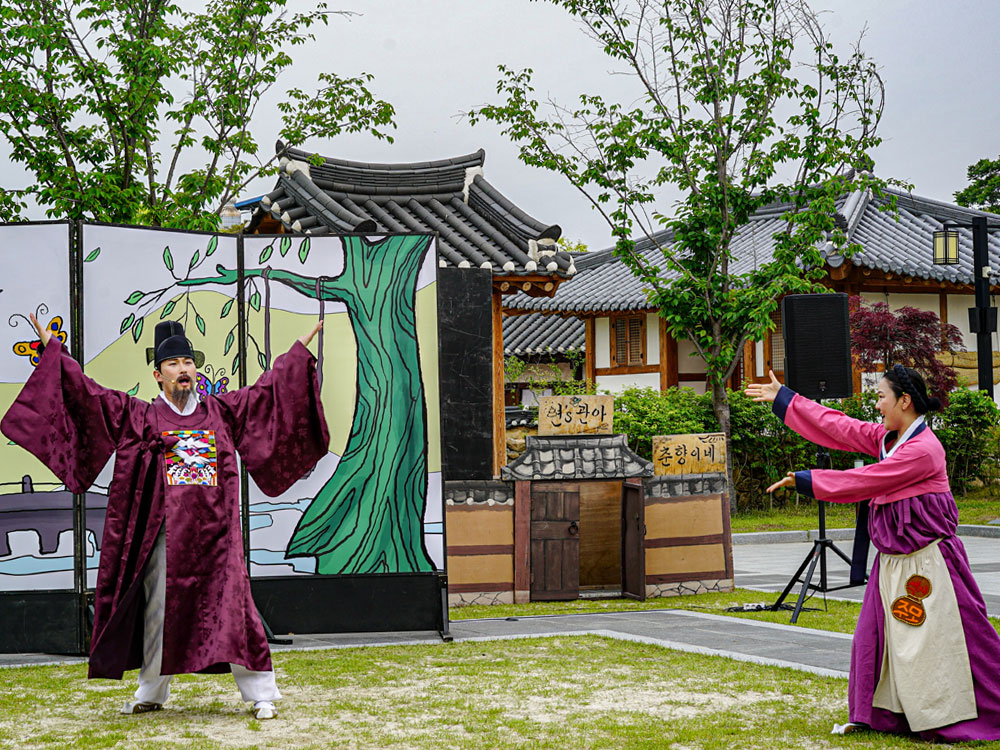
(476,225)
(901,246)
(540,334)
(577,457)
(519,416)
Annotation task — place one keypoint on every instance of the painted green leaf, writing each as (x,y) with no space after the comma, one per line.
(200,322)
(263,361)
(137,330)
(11,442)
(229,343)
(133,390)
(285,246)
(255,301)
(304,250)
(168,308)
(134,297)
(236,365)
(127,322)
(168,259)
(93,255)
(213,244)
(266,253)
(194,259)
(226,308)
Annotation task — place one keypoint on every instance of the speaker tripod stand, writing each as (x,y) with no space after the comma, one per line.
(817,555)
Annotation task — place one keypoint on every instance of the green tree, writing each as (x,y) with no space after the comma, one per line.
(738,105)
(88,104)
(983,191)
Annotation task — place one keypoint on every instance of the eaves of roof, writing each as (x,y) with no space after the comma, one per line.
(476,225)
(892,241)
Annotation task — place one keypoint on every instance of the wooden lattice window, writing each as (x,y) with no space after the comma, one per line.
(777,343)
(628,341)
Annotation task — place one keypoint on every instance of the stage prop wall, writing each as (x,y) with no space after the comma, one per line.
(371,508)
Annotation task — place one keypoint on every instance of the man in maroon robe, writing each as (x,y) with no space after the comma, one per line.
(173,593)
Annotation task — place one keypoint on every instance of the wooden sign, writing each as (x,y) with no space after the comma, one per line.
(689,454)
(575,415)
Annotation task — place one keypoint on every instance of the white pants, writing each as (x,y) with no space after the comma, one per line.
(154,687)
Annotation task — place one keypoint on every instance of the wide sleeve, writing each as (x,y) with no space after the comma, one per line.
(827,427)
(913,464)
(66,420)
(278,423)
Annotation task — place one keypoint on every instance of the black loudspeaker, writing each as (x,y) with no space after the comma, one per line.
(817,345)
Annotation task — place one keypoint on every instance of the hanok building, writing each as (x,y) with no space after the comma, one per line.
(551,348)
(500,249)
(627,344)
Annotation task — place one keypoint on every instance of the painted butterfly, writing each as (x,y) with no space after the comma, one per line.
(212,384)
(31,349)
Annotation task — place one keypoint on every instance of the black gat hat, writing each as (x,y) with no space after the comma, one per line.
(170,342)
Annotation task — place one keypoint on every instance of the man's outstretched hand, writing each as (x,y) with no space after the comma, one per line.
(307,337)
(44,334)
(764,391)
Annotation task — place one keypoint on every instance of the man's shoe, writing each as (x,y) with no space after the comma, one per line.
(264,710)
(140,707)
(848,728)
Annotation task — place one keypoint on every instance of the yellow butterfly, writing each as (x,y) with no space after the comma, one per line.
(30,349)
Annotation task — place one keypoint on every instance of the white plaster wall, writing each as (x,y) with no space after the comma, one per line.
(958,316)
(652,339)
(919,301)
(699,386)
(602,342)
(759,358)
(687,358)
(617,383)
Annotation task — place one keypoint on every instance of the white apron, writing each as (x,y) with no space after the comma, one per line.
(925,667)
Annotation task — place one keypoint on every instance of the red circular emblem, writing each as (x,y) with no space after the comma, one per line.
(918,587)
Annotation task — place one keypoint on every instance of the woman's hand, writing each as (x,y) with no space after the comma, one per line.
(788,481)
(764,391)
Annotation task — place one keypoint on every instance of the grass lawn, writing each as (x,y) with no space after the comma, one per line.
(980,506)
(565,692)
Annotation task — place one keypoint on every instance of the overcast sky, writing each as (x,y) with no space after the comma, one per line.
(434,59)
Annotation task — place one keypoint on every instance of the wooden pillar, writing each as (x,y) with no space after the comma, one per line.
(499,425)
(943,312)
(668,357)
(522,542)
(590,353)
(750,361)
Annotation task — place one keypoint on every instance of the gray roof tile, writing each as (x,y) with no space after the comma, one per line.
(476,225)
(889,243)
(539,334)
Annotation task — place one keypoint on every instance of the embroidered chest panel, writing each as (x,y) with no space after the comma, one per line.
(192,459)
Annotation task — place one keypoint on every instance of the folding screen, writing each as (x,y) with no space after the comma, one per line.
(36,511)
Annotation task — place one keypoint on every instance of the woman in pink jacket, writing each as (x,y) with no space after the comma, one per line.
(925,658)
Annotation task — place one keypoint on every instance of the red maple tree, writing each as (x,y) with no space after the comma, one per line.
(881,338)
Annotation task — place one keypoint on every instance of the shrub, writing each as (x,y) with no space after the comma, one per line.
(968,430)
(763,449)
(641,413)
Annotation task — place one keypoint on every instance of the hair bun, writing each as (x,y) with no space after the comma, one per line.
(933,404)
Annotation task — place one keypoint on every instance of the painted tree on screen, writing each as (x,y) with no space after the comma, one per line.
(734,105)
(368,518)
